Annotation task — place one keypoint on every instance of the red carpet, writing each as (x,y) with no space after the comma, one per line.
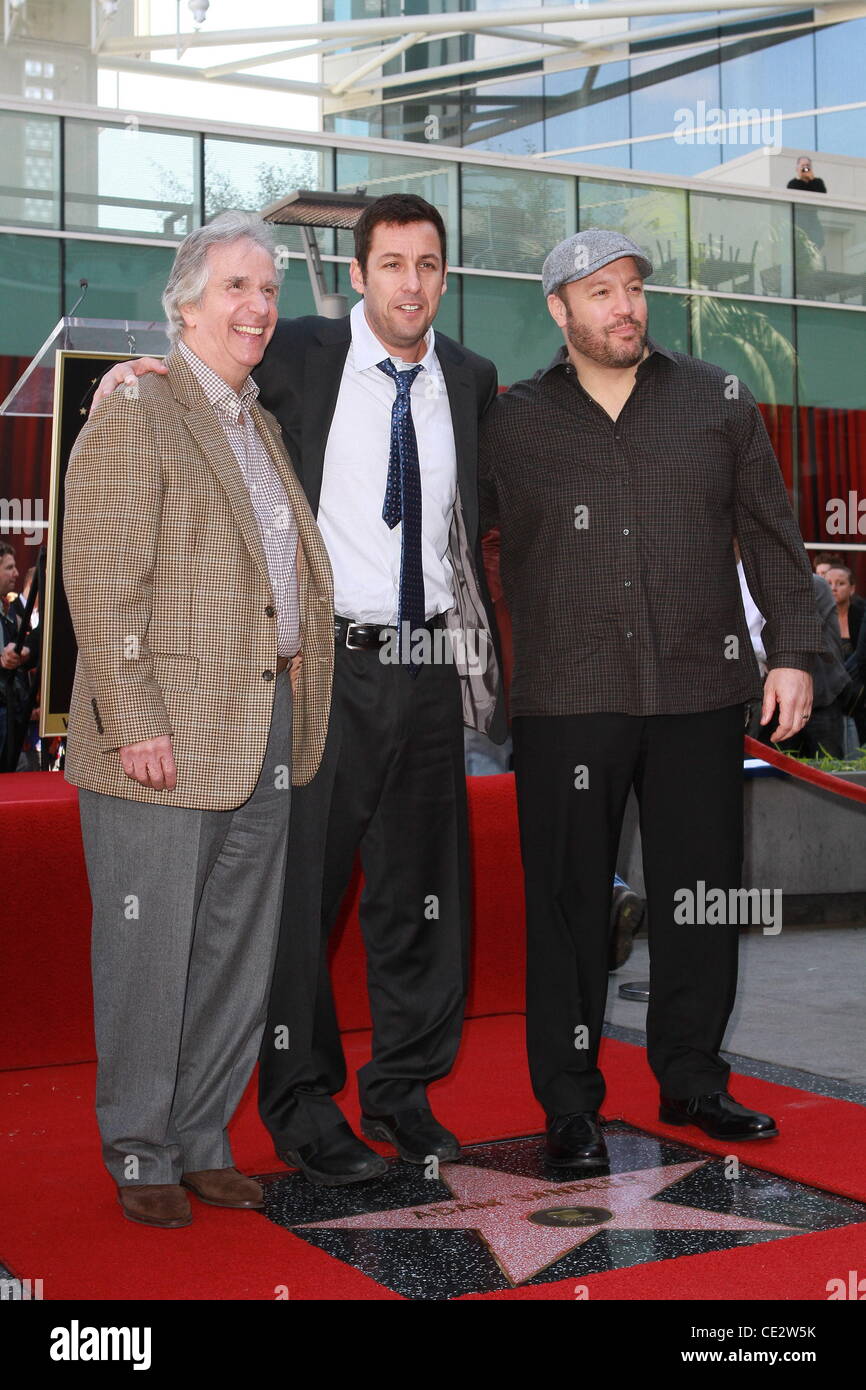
(61,1222)
(45,922)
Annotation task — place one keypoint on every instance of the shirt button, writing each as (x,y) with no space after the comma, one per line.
(628,583)
(625,531)
(269,675)
(269,611)
(629,634)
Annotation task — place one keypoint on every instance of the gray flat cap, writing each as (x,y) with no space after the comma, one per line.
(585,253)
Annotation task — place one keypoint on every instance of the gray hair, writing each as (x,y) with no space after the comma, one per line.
(189,273)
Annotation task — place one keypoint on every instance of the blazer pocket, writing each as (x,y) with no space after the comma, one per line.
(175,672)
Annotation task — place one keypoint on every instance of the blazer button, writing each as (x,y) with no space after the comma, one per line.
(267,675)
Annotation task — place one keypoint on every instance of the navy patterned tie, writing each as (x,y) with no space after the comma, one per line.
(403,503)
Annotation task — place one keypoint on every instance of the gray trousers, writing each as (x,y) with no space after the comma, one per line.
(185,915)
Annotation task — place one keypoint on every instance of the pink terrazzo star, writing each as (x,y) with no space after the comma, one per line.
(497,1206)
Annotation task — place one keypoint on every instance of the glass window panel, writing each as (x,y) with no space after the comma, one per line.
(505,117)
(830,254)
(433,180)
(296,294)
(126,282)
(832,358)
(508,321)
(653,217)
(741,245)
(512,218)
(774,76)
(839,52)
(427,123)
(124,178)
(753,342)
(669,320)
(663,86)
(29,170)
(29,292)
(589,106)
(248,174)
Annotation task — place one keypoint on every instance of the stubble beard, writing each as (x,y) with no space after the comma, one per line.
(600,348)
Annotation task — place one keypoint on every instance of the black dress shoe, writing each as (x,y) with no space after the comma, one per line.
(627,913)
(576,1141)
(335,1158)
(416,1135)
(719,1116)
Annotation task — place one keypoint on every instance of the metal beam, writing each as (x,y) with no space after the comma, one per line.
(531,36)
(306,50)
(464,22)
(378,60)
(614,48)
(685,26)
(142,66)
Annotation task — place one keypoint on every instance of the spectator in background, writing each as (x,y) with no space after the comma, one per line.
(809,230)
(824,731)
(849,606)
(14,666)
(805,179)
(29,758)
(823,561)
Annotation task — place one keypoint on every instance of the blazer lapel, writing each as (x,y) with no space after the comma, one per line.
(323,372)
(460,384)
(206,430)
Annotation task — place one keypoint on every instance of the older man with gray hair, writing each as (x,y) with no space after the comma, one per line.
(195,574)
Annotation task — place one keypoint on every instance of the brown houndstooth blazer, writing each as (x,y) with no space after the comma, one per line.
(171,600)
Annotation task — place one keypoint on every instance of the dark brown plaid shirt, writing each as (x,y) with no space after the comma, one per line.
(616,541)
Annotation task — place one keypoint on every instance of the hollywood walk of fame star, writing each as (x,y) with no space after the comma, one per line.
(498,1205)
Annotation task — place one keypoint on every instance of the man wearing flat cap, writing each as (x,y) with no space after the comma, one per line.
(619,477)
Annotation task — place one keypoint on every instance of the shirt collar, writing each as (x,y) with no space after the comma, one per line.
(220,395)
(561,358)
(367,351)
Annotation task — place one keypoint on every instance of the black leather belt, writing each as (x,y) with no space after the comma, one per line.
(369,636)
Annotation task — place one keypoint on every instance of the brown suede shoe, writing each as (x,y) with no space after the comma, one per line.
(155,1204)
(225,1187)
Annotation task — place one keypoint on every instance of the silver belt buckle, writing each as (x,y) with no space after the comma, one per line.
(349,644)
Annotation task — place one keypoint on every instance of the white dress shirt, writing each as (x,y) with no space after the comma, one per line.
(365,554)
(755,619)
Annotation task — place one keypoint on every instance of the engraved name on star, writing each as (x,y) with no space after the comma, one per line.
(497,1206)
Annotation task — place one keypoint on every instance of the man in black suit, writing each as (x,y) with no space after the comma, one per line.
(381,418)
(392,781)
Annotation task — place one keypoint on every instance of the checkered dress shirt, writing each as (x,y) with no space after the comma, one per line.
(274,514)
(616,541)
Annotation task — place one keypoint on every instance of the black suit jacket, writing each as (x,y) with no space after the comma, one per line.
(299,381)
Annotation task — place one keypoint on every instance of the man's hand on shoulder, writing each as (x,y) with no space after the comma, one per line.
(151,763)
(124,374)
(792,691)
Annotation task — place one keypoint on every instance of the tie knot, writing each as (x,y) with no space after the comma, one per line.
(403,380)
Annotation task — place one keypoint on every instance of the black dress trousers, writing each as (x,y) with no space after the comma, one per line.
(392,786)
(573,775)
